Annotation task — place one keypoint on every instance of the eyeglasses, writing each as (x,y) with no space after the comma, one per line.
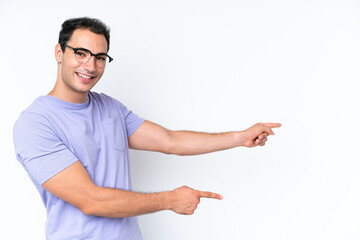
(83,55)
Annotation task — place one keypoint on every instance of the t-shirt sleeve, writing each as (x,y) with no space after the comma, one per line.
(39,149)
(132,121)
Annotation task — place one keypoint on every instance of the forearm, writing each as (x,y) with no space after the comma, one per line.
(116,203)
(153,137)
(193,143)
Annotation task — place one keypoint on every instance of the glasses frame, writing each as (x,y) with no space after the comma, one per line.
(87,50)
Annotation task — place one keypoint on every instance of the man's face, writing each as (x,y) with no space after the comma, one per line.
(81,77)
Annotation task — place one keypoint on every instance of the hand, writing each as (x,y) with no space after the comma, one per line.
(184,200)
(257,134)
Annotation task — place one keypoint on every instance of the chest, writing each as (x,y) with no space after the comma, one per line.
(100,144)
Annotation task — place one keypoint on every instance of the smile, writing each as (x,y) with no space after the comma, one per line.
(84,76)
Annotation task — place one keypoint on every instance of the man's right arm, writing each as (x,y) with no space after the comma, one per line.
(75,186)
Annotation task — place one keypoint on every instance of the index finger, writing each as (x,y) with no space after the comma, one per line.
(272,125)
(210,195)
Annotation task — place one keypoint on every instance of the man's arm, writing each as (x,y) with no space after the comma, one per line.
(152,137)
(75,186)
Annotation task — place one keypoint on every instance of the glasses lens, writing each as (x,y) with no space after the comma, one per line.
(82,56)
(102,60)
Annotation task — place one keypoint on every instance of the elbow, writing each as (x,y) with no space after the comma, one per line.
(89,204)
(87,211)
(88,208)
(94,209)
(101,211)
(174,150)
(100,207)
(171,150)
(170,145)
(176,145)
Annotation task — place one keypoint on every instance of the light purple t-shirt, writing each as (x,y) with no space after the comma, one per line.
(52,134)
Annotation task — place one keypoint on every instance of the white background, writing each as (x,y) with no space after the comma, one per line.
(210,66)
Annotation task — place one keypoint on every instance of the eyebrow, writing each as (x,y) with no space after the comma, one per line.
(101,53)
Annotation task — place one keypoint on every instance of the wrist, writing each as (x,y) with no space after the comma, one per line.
(166,200)
(239,138)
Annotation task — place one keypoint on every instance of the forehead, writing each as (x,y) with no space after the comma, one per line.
(84,38)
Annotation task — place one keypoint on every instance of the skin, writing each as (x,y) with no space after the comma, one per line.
(69,86)
(75,186)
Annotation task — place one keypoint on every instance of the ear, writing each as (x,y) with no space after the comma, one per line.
(58,53)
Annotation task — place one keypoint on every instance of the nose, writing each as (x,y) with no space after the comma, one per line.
(90,65)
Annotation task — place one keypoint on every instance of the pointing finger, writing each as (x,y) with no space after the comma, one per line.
(210,195)
(272,125)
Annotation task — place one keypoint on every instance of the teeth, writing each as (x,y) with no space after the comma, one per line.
(83,76)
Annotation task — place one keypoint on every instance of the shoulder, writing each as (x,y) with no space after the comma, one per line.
(105,100)
(102,97)
(33,118)
(35,112)
(41,108)
(30,131)
(29,122)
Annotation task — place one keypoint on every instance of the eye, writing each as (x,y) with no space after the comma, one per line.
(81,53)
(101,58)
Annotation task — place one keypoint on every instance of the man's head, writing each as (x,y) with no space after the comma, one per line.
(81,55)
(92,24)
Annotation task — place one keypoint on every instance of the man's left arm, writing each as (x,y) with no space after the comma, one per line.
(153,137)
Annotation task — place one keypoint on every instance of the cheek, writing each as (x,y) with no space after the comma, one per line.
(66,70)
(69,66)
(100,73)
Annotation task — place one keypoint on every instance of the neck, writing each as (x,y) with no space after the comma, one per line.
(66,93)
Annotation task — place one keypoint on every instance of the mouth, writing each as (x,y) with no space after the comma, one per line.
(86,78)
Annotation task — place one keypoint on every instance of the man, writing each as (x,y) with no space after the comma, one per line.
(74,144)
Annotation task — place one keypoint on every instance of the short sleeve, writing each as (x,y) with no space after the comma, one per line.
(39,149)
(132,121)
